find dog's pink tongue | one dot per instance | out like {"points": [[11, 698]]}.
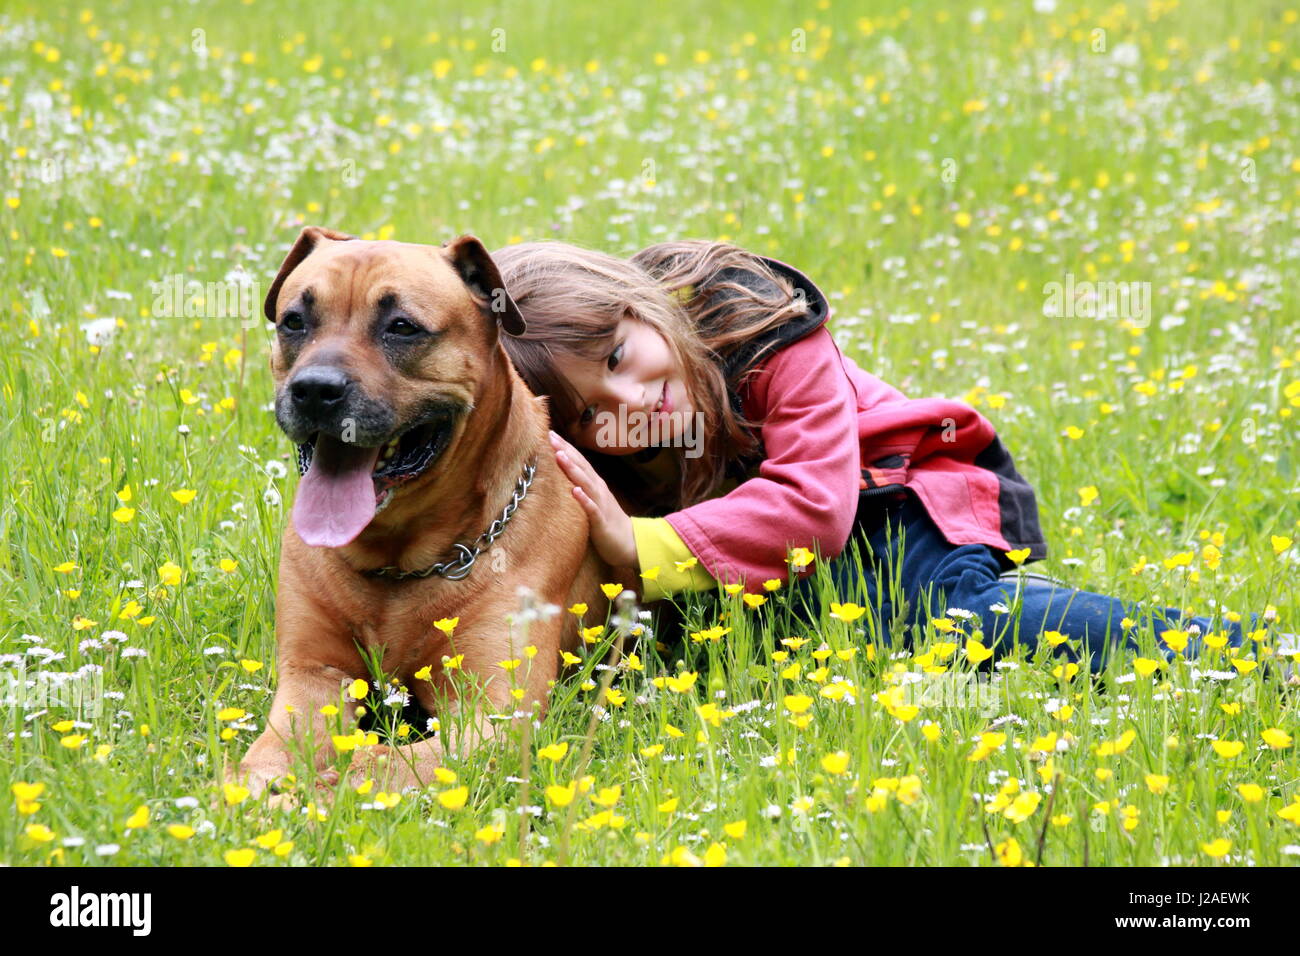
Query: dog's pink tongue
{"points": [[336, 498]]}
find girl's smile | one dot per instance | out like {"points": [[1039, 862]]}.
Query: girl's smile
{"points": [[638, 377]]}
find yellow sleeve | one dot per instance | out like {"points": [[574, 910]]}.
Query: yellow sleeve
{"points": [[658, 546]]}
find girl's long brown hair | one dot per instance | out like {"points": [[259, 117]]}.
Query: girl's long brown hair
{"points": [[689, 291]]}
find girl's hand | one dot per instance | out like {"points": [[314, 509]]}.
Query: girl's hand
{"points": [[611, 528]]}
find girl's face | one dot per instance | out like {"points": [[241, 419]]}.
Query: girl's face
{"points": [[627, 396]]}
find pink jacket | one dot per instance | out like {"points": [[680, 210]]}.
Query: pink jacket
{"points": [[832, 433]]}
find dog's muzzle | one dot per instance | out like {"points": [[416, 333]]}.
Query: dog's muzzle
{"points": [[352, 455]]}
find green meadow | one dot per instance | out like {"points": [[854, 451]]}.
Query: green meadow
{"points": [[1079, 218]]}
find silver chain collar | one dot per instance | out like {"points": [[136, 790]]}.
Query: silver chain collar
{"points": [[464, 556]]}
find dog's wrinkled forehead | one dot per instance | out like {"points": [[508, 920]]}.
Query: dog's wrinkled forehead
{"points": [[350, 280]]}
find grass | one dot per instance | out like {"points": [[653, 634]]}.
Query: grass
{"points": [[931, 168]]}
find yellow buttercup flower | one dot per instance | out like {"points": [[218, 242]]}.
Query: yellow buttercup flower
{"points": [[26, 792], [798, 703], [1065, 671], [554, 752], [1250, 792], [1108, 748], [1008, 853], [615, 697], [1145, 666], [848, 613], [988, 743], [1228, 749], [1045, 744], [139, 819], [269, 840], [1023, 806], [904, 712], [560, 796], [800, 558], [1217, 848], [1277, 739], [170, 574], [682, 682], [455, 798], [1175, 640], [836, 763]]}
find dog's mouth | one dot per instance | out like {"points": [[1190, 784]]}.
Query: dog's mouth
{"points": [[345, 485]]}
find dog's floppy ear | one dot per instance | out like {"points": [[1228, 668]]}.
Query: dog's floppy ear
{"points": [[302, 248], [480, 273]]}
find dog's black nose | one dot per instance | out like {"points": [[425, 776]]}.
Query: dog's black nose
{"points": [[319, 389]]}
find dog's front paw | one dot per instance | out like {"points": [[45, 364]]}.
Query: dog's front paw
{"points": [[395, 768], [252, 778]]}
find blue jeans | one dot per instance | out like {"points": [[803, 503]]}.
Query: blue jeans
{"points": [[934, 575]]}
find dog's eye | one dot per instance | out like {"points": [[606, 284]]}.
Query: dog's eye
{"points": [[292, 322], [403, 328]]}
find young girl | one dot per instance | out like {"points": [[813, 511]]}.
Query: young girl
{"points": [[720, 427]]}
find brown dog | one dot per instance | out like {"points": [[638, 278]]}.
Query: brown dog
{"points": [[422, 442]]}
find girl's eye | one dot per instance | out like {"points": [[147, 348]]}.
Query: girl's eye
{"points": [[615, 357], [585, 418]]}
